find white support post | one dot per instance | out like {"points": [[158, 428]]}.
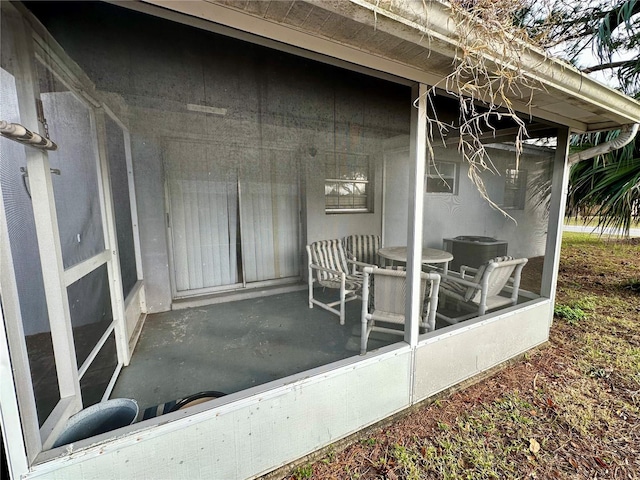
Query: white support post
{"points": [[417, 157], [16, 389], [111, 243], [559, 189], [383, 192], [11, 427]]}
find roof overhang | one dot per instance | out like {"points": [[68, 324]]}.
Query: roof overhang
{"points": [[412, 40]]}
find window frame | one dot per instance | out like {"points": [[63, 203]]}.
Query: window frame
{"points": [[515, 181], [337, 158], [434, 171]]}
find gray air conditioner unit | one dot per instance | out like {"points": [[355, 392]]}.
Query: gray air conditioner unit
{"points": [[473, 251]]}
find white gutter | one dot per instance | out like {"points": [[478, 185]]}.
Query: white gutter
{"points": [[627, 134], [431, 24]]}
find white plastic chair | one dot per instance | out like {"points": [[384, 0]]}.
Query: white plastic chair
{"points": [[493, 285], [329, 267], [384, 301]]}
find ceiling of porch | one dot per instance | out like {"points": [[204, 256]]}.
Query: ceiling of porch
{"points": [[399, 41]]}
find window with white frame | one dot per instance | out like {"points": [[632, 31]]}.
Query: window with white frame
{"points": [[442, 177], [347, 183]]}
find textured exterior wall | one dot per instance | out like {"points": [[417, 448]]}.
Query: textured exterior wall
{"points": [[467, 213]]}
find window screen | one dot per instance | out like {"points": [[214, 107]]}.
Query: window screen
{"points": [[119, 174]]}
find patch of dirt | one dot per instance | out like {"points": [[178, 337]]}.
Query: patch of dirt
{"points": [[583, 414]]}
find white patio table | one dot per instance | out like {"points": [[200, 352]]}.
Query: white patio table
{"points": [[430, 256]]}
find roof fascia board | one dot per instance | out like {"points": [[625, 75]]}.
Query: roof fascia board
{"points": [[551, 73]]}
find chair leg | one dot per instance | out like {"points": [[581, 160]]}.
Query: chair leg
{"points": [[363, 337], [310, 288], [342, 302]]}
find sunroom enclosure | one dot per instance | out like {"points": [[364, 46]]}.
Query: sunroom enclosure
{"points": [[192, 167]]}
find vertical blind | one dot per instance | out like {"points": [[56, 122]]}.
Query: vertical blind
{"points": [[233, 214]]}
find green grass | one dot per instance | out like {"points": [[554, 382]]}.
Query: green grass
{"points": [[578, 309], [489, 441], [571, 314], [303, 472]]}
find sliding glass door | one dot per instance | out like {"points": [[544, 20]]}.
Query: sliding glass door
{"points": [[203, 217], [269, 215], [233, 215]]}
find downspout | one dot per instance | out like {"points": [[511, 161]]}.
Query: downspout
{"points": [[627, 134]]}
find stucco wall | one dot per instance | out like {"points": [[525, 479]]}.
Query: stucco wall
{"points": [[467, 213]]}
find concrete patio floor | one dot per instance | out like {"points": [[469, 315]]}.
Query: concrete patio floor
{"points": [[233, 346]]}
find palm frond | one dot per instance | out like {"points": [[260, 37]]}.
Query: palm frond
{"points": [[607, 189]]}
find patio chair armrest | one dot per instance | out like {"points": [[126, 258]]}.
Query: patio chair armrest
{"points": [[460, 280], [360, 264], [371, 269], [328, 270], [465, 268]]}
